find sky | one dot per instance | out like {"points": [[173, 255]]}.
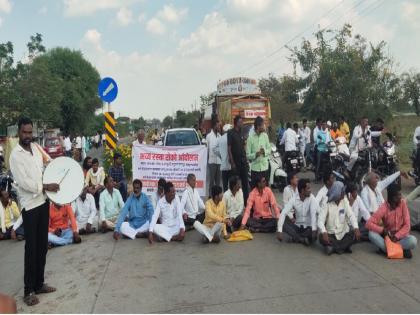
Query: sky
{"points": [[165, 54]]}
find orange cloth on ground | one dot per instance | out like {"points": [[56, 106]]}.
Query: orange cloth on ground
{"points": [[60, 217]]}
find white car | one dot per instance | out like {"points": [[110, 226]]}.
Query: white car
{"points": [[181, 137]]}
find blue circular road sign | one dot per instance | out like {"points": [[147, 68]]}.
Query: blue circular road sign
{"points": [[108, 90]]}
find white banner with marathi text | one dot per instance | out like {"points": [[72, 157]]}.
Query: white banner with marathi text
{"points": [[171, 163]]}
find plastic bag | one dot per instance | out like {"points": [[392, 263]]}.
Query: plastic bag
{"points": [[242, 235], [393, 250]]}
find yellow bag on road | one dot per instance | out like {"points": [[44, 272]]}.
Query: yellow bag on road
{"points": [[242, 235]]}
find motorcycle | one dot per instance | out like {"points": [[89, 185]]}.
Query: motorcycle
{"points": [[278, 177], [415, 158], [382, 160], [7, 182], [293, 162]]}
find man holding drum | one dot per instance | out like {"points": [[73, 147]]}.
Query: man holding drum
{"points": [[27, 166]]}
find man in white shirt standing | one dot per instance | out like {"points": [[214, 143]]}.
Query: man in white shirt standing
{"points": [[27, 166], [140, 138], [416, 142], [168, 210], [214, 160], [303, 226], [290, 140], [67, 145], [361, 139], [305, 140], [85, 212], [191, 204], [225, 166], [78, 146]]}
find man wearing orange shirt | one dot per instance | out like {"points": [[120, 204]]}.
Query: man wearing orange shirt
{"points": [[335, 132], [266, 211], [59, 231]]}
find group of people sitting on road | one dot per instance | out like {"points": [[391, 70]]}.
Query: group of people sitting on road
{"points": [[337, 216]]}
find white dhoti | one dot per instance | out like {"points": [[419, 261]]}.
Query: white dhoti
{"points": [[208, 232], [81, 224], [166, 232], [131, 232]]}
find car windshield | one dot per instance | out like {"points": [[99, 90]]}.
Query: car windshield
{"points": [[182, 137], [51, 142]]}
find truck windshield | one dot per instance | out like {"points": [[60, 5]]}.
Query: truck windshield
{"points": [[181, 138]]}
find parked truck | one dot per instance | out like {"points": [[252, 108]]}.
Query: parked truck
{"points": [[238, 96]]}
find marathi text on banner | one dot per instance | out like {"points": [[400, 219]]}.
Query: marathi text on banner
{"points": [[171, 163]]}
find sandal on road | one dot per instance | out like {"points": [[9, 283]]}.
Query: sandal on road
{"points": [[45, 289], [31, 299]]}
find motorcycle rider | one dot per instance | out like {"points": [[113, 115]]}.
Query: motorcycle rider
{"points": [[362, 139], [378, 125]]}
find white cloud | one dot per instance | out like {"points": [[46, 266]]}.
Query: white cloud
{"points": [[124, 16], [249, 6], [155, 26], [89, 7], [171, 14], [93, 37], [5, 6], [411, 12]]}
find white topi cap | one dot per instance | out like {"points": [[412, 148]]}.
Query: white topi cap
{"points": [[329, 123]]}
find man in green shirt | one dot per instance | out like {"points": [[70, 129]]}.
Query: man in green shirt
{"points": [[257, 150]]}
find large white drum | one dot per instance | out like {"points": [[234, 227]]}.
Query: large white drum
{"points": [[69, 175]]}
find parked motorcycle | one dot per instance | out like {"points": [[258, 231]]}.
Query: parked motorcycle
{"points": [[278, 177], [382, 160], [293, 162]]}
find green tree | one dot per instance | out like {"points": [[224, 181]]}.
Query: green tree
{"points": [[207, 100], [79, 80], [411, 87], [137, 124], [343, 74], [167, 122], [283, 94]]}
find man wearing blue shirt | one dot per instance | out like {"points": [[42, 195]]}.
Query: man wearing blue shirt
{"points": [[139, 211]]}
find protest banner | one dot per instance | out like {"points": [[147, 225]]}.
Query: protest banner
{"points": [[171, 163]]}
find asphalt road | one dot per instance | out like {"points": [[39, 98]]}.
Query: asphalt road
{"points": [[258, 276]]}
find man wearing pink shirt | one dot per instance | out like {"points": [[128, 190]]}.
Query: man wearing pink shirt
{"points": [[266, 211], [395, 217]]}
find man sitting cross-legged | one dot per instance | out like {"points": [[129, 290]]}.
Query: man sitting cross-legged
{"points": [[266, 210], [168, 210], [234, 201], [60, 232], [110, 204], [11, 226], [139, 211], [302, 226], [216, 218], [333, 222], [85, 211], [392, 219], [191, 203]]}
